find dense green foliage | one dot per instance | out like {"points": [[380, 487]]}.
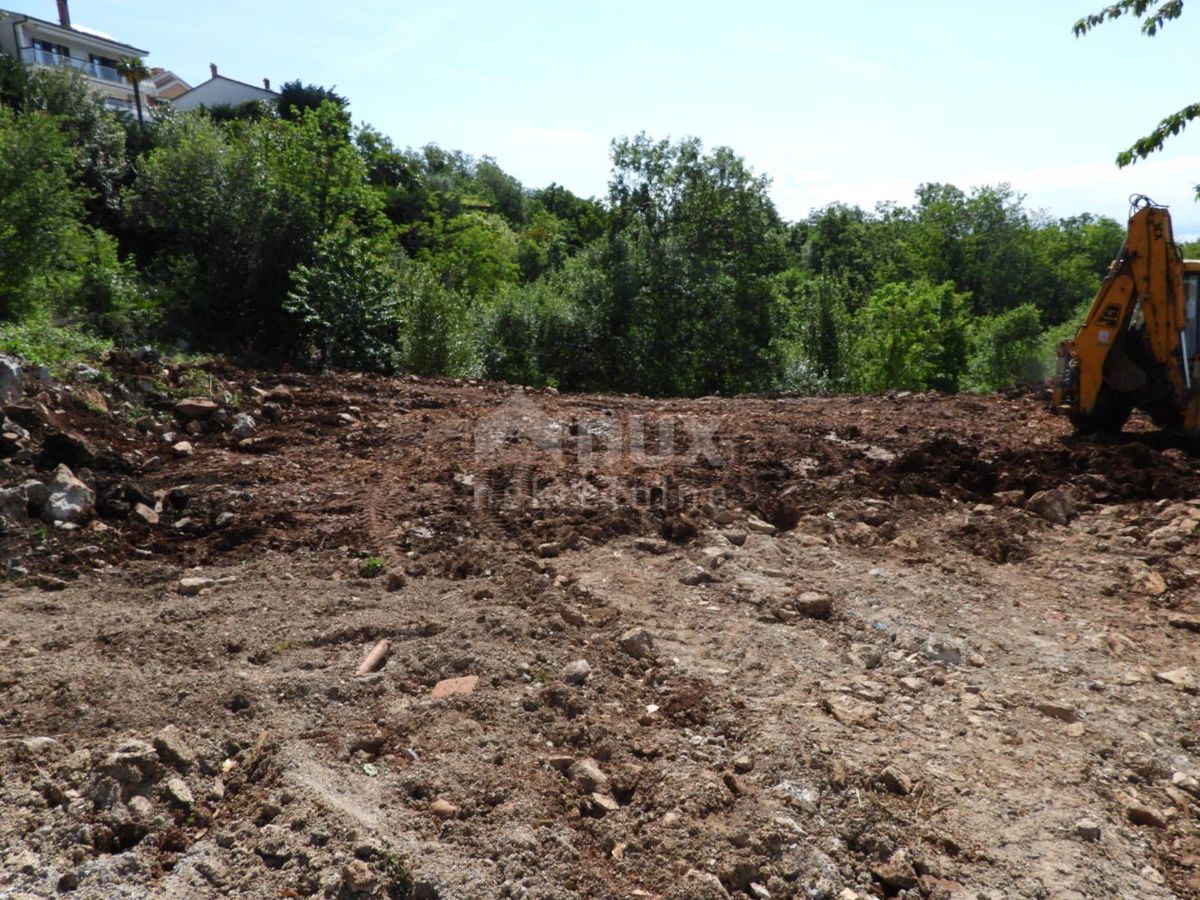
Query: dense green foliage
{"points": [[285, 234]]}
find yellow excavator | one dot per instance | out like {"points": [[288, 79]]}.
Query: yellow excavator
{"points": [[1139, 347]]}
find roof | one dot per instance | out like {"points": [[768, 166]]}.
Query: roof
{"points": [[253, 87], [80, 31]]}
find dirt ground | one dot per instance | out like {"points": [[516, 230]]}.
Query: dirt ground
{"points": [[897, 646]]}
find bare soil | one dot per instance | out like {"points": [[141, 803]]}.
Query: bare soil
{"points": [[835, 647]]}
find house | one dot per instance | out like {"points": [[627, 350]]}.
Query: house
{"points": [[222, 91], [38, 43], [168, 85]]}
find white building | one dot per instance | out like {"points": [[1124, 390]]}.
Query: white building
{"points": [[39, 44], [222, 91]]}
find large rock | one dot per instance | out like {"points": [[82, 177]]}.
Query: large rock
{"points": [[70, 499], [10, 379]]}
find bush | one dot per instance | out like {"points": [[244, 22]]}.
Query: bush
{"points": [[436, 338], [347, 305], [1005, 349]]}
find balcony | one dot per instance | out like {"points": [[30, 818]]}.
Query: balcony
{"points": [[36, 57]]}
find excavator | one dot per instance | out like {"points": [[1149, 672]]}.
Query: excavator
{"points": [[1139, 347]]}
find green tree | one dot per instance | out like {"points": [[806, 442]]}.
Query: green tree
{"points": [[911, 337], [297, 98], [232, 210], [815, 330], [347, 303], [134, 70], [40, 207], [687, 305]]}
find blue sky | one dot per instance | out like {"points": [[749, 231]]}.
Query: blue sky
{"points": [[837, 102]]}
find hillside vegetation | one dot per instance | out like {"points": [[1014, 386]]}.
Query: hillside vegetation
{"points": [[287, 234]]}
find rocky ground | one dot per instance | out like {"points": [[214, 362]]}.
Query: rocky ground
{"points": [[898, 646]]}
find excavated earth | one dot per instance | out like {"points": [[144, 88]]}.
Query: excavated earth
{"points": [[773, 646]]}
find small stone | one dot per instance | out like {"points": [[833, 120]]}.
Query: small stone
{"points": [[651, 545], [1087, 829], [183, 449], [812, 605], [224, 519], [1140, 814], [735, 537], [35, 492], [68, 881], [758, 526], [244, 426], [896, 781], [1152, 584], [141, 807], [897, 873], [587, 775], [358, 880], [152, 465], [602, 803], [449, 687], [1053, 506], [172, 749], [913, 685], [195, 408], [759, 891], [395, 581], [1075, 730], [178, 791], [1057, 711], [577, 672], [1187, 782], [1181, 677], [11, 379], [724, 517], [743, 764], [693, 575], [193, 585], [70, 500], [560, 763], [14, 503], [38, 747], [144, 514], [549, 549], [638, 643], [573, 616], [443, 809]]}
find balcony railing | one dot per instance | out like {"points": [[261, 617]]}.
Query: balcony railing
{"points": [[38, 57]]}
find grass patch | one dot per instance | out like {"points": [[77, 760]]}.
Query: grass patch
{"points": [[41, 342]]}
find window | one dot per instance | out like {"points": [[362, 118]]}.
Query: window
{"points": [[48, 47]]}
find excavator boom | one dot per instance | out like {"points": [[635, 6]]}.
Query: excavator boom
{"points": [[1138, 347]]}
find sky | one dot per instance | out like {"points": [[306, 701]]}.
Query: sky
{"points": [[837, 102]]}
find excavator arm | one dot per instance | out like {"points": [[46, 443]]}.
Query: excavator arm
{"points": [[1133, 348]]}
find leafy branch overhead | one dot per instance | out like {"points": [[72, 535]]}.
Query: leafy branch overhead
{"points": [[1154, 16]]}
